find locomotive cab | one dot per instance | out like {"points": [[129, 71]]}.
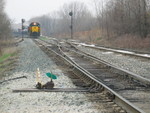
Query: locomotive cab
{"points": [[34, 30]]}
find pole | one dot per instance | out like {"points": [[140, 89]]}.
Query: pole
{"points": [[22, 31], [22, 21], [71, 27]]}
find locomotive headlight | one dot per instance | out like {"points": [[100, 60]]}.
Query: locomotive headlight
{"points": [[34, 23]]}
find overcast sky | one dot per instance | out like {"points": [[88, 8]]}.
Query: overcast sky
{"points": [[18, 9]]}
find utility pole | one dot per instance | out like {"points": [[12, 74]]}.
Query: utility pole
{"points": [[71, 27], [22, 22]]}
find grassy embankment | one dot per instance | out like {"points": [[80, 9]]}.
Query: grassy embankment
{"points": [[8, 59]]}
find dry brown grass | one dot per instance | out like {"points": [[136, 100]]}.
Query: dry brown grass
{"points": [[100, 38], [7, 46], [9, 50], [7, 42], [130, 41], [125, 41]]}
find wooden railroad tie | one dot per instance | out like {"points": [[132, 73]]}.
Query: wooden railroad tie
{"points": [[51, 90]]}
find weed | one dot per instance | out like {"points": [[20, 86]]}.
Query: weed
{"points": [[99, 38], [43, 38], [4, 57]]}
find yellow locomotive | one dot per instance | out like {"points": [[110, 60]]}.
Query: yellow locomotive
{"points": [[34, 30]]}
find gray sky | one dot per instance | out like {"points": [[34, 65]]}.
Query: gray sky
{"points": [[18, 9]]}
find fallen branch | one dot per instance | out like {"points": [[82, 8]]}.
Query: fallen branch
{"points": [[13, 79]]}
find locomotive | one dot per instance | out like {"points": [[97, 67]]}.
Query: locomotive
{"points": [[34, 30]]}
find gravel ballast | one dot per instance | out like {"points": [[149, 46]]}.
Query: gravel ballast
{"points": [[135, 65], [31, 58]]}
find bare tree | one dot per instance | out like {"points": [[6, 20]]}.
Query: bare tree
{"points": [[59, 22], [5, 28], [113, 18], [81, 16], [123, 16]]}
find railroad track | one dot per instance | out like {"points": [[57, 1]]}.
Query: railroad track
{"points": [[104, 77], [138, 65], [124, 52]]}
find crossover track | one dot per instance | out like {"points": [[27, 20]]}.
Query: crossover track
{"points": [[119, 84]]}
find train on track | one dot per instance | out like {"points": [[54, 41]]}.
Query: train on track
{"points": [[34, 30]]}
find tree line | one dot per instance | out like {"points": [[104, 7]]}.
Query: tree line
{"points": [[112, 17], [5, 27], [124, 16], [59, 22]]}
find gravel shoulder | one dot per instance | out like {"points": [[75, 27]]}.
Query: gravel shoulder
{"points": [[135, 65], [31, 58]]}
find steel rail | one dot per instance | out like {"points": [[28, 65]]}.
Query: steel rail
{"points": [[136, 77], [147, 56], [125, 104]]}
